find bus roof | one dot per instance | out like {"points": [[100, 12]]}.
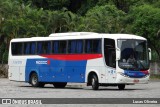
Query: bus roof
{"points": [[71, 34], [79, 35]]}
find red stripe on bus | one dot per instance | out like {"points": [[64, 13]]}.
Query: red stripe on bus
{"points": [[145, 72], [73, 56]]}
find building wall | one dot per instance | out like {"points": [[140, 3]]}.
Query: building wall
{"points": [[155, 68]]}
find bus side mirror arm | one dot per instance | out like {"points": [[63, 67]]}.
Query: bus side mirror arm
{"points": [[118, 54], [149, 51]]}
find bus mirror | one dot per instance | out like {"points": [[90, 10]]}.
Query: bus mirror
{"points": [[149, 50], [118, 54]]}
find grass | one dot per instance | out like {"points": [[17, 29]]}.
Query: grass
{"points": [[154, 77], [3, 74]]}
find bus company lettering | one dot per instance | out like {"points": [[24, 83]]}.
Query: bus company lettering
{"points": [[17, 62], [43, 62]]}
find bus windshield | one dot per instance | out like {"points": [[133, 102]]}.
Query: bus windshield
{"points": [[134, 54]]}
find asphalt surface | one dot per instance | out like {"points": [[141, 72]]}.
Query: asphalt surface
{"points": [[12, 89]]}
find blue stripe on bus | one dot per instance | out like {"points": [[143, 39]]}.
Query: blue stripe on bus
{"points": [[134, 74], [50, 70]]}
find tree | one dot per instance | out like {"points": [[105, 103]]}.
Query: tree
{"points": [[144, 21], [106, 19], [28, 18], [86, 5], [49, 4]]}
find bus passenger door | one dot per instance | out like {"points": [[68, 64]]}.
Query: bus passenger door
{"points": [[110, 59], [111, 74]]}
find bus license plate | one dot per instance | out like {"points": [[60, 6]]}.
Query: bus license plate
{"points": [[135, 80]]}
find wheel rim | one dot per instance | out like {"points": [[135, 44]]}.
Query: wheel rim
{"points": [[93, 81], [34, 80]]}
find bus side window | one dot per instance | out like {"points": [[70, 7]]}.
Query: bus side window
{"points": [[93, 46], [17, 48], [62, 47], [26, 48], [72, 46], [75, 46], [59, 47], [48, 47], [96, 46], [39, 47], [88, 46], [55, 46], [44, 47], [33, 48], [79, 47], [29, 48]]}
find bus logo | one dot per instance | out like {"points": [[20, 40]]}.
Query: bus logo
{"points": [[43, 62]]}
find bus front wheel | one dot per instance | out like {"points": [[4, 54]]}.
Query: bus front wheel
{"points": [[59, 84], [34, 81], [94, 81], [121, 86]]}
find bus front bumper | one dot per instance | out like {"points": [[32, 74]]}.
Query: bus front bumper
{"points": [[128, 80]]}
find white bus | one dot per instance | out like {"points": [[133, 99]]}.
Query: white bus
{"points": [[80, 57]]}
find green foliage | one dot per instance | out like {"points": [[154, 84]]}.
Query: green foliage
{"points": [[5, 57], [48, 4], [106, 19], [146, 23], [154, 56], [2, 49], [28, 18], [155, 77], [86, 5]]}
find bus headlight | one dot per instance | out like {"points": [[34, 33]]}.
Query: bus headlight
{"points": [[122, 74]]}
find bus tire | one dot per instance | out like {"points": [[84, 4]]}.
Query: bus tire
{"points": [[94, 82], [59, 84], [121, 86], [34, 81]]}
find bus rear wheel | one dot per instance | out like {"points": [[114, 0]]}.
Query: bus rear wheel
{"points": [[34, 81], [59, 84], [94, 82], [121, 86]]}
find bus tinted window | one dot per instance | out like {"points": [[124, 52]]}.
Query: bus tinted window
{"points": [[59, 47], [110, 52], [29, 48], [17, 48], [44, 47], [75, 46], [93, 46]]}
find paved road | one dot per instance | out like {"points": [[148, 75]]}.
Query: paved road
{"points": [[10, 89], [21, 89]]}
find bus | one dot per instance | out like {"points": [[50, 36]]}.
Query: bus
{"points": [[95, 59]]}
